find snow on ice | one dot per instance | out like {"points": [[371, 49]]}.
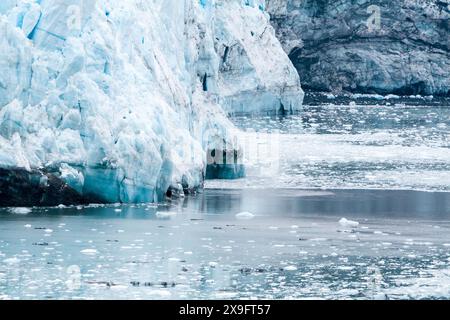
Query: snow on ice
{"points": [[121, 100]]}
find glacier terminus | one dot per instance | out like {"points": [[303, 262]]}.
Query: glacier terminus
{"points": [[119, 101]]}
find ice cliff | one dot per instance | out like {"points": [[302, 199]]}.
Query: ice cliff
{"points": [[367, 46], [120, 101]]}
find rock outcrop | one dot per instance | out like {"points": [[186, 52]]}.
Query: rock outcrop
{"points": [[367, 46]]}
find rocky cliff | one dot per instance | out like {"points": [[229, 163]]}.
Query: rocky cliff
{"points": [[367, 46]]}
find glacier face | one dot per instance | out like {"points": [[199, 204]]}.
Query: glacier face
{"points": [[118, 101], [254, 74], [365, 46]]}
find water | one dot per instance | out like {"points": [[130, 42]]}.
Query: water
{"points": [[385, 167], [382, 147]]}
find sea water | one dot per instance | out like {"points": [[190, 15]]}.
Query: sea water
{"points": [[273, 235]]}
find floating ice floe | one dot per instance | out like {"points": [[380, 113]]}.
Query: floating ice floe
{"points": [[348, 223], [290, 268], [165, 214], [11, 260], [20, 210], [245, 216], [89, 251]]}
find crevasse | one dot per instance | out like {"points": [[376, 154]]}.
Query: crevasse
{"points": [[118, 101]]}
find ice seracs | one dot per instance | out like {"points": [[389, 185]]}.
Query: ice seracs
{"points": [[120, 101], [249, 81]]}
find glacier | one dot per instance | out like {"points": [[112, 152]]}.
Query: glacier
{"points": [[122, 101]]}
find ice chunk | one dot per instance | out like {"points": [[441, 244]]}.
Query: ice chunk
{"points": [[245, 216], [20, 210], [31, 19], [89, 251], [13, 260], [165, 214], [72, 177], [290, 268], [348, 223]]}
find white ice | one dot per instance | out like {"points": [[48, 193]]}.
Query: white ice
{"points": [[124, 98], [20, 210], [348, 223], [245, 216]]}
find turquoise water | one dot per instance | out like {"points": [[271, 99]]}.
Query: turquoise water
{"points": [[386, 168]]}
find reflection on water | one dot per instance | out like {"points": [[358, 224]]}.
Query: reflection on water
{"points": [[196, 248], [357, 203]]}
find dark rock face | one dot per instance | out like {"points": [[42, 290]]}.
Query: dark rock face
{"points": [[367, 46], [19, 187]]}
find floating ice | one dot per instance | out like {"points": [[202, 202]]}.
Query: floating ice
{"points": [[165, 214], [245, 216], [11, 260], [20, 210], [89, 251], [163, 294], [348, 223], [290, 268]]}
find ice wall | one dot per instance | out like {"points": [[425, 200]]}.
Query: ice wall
{"points": [[120, 100], [254, 74]]}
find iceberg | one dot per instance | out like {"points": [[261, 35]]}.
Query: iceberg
{"points": [[121, 101]]}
